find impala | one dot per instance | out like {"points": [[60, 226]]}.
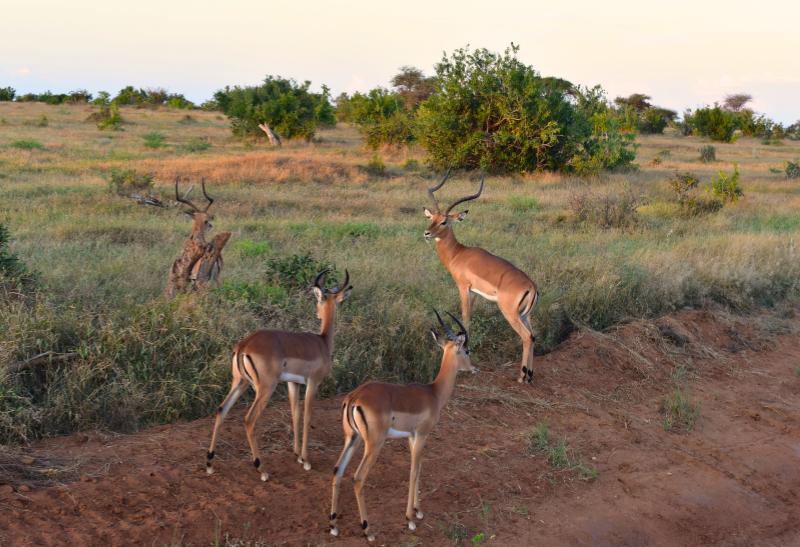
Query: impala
{"points": [[478, 272], [268, 357], [377, 411]]}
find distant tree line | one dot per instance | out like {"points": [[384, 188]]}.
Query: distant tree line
{"points": [[129, 95]]}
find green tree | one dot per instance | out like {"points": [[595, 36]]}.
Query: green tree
{"points": [[715, 123], [7, 93], [289, 108]]}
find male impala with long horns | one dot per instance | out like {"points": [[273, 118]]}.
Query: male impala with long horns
{"points": [[478, 272], [377, 411], [268, 357]]}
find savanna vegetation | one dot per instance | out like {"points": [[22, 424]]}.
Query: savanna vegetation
{"points": [[603, 249]]}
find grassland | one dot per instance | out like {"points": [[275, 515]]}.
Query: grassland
{"points": [[102, 259]]}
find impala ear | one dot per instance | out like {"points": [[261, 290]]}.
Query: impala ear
{"points": [[460, 340], [462, 215], [345, 294], [318, 293], [436, 338], [427, 212]]}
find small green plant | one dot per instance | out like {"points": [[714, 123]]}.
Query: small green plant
{"points": [[478, 538], [296, 271], [250, 248], [27, 144], [411, 165], [523, 204], [125, 181], [708, 154], [679, 413], [154, 139], [685, 185], [253, 292], [14, 274], [375, 166], [797, 371], [792, 169], [108, 117], [539, 438], [196, 144], [726, 186]]}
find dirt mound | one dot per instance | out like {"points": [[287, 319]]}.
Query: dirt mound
{"points": [[602, 472]]}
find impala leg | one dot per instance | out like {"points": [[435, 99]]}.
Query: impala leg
{"points": [[263, 394], [415, 444], [237, 388], [350, 444], [522, 328], [294, 406], [371, 452], [311, 391], [467, 302]]}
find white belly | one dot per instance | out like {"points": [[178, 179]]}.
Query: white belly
{"points": [[489, 297], [397, 434], [289, 377]]}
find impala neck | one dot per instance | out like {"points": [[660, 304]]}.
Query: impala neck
{"points": [[445, 381], [447, 247], [327, 328]]}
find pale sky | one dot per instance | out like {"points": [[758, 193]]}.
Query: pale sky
{"points": [[683, 53]]}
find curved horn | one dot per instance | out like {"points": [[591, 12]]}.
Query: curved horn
{"points": [[184, 200], [435, 188], [461, 326], [342, 286], [319, 278], [447, 330], [467, 198], [210, 200]]}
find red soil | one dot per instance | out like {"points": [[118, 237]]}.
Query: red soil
{"points": [[733, 480]]}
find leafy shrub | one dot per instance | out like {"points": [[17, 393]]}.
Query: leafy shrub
{"points": [[611, 210], [7, 93], [27, 144], [196, 144], [714, 123], [726, 186], [154, 139], [792, 169], [411, 165], [607, 148], [296, 271], [125, 181], [289, 108], [376, 167], [793, 131], [685, 185], [708, 154], [655, 120], [14, 274], [107, 117], [380, 116], [492, 111]]}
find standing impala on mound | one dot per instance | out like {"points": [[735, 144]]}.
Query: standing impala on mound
{"points": [[267, 357], [376, 411], [478, 272]]}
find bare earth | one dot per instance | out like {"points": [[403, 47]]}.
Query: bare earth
{"points": [[733, 480]]}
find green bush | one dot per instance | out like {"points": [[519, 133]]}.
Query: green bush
{"points": [[685, 185], [125, 181], [107, 117], [14, 274], [296, 271], [7, 93], [792, 169], [492, 111], [154, 139], [714, 123], [726, 186], [375, 167], [708, 154], [289, 108], [27, 144], [196, 144], [380, 116]]}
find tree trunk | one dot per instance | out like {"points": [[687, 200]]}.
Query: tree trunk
{"points": [[273, 137]]}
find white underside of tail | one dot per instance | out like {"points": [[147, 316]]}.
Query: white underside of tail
{"points": [[289, 377]]}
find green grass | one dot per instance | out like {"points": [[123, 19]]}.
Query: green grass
{"points": [[102, 259], [196, 144], [558, 454], [154, 139], [679, 413], [27, 144]]}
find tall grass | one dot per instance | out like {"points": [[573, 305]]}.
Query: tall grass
{"points": [[102, 261]]}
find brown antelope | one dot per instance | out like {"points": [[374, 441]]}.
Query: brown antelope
{"points": [[377, 411], [268, 357], [478, 272]]}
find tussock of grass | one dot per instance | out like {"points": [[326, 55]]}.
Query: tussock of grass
{"points": [[679, 413], [558, 454]]}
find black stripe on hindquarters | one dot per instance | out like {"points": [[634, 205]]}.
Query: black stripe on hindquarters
{"points": [[253, 366], [363, 417]]}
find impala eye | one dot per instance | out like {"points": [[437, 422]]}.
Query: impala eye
{"points": [[444, 223]]}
